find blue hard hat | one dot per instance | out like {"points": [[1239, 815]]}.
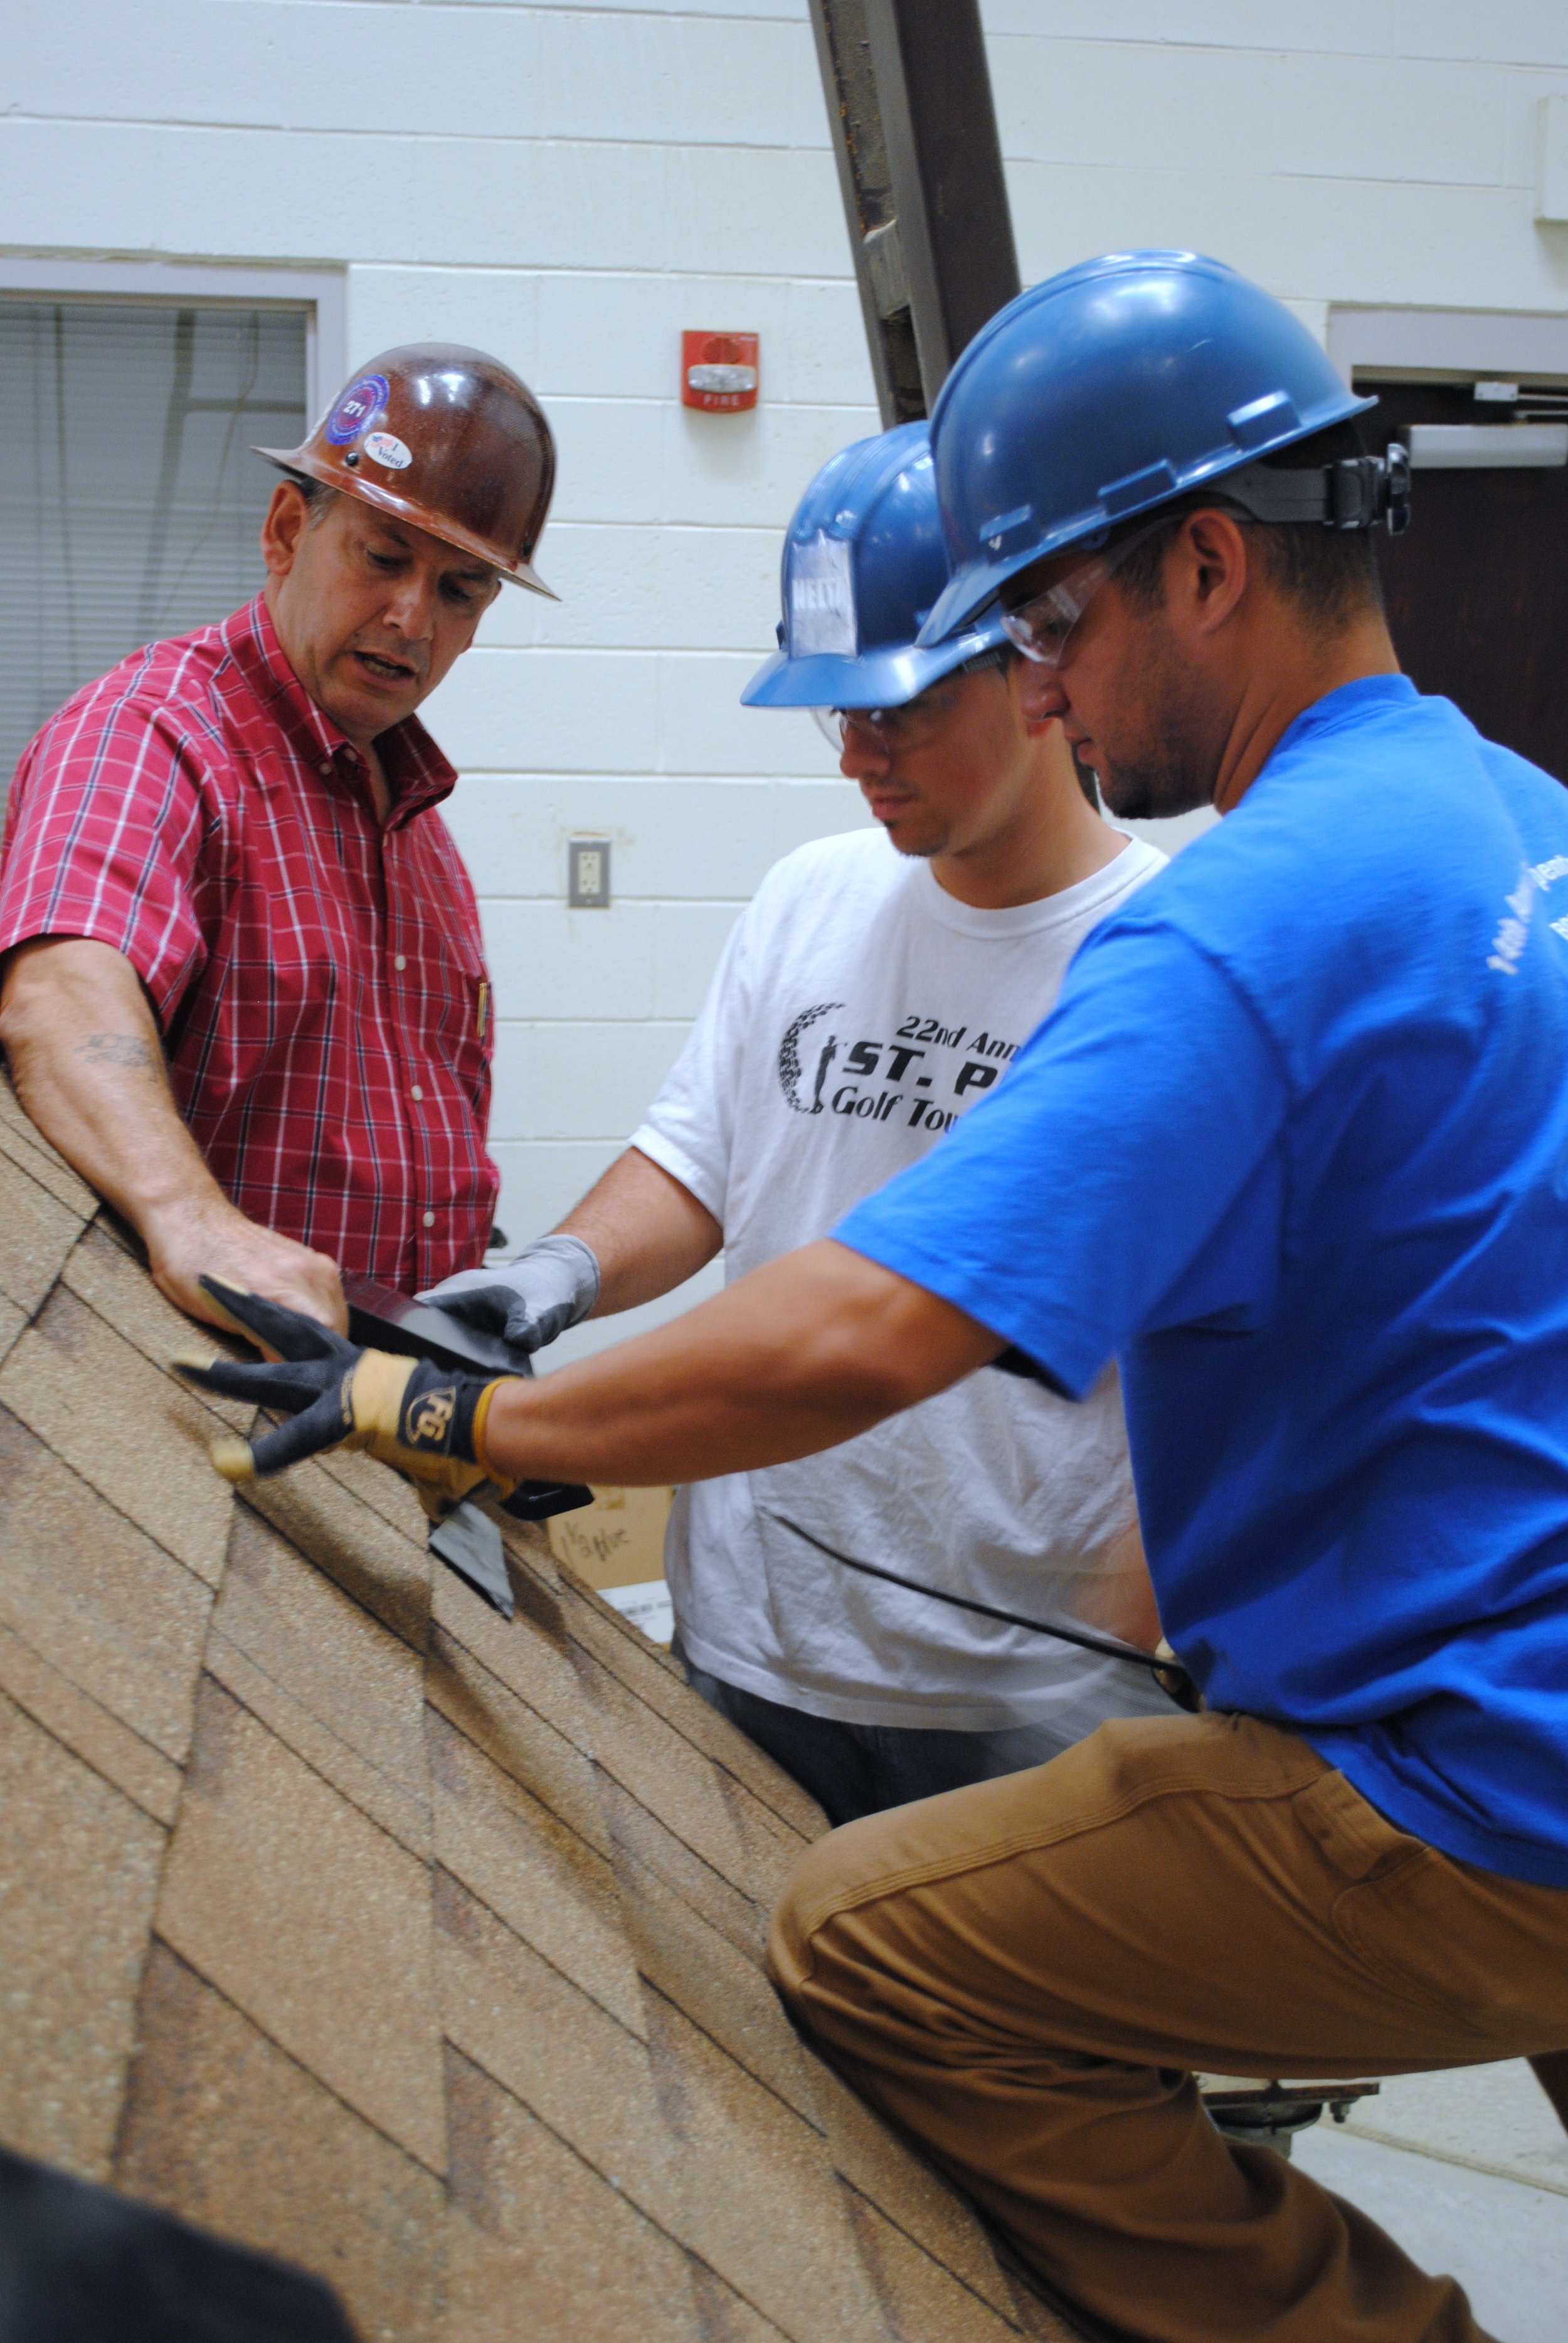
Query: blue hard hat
{"points": [[863, 563], [1105, 392]]}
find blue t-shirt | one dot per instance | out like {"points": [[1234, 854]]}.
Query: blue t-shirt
{"points": [[1294, 1146]]}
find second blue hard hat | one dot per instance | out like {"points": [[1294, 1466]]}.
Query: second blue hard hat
{"points": [[864, 562], [1103, 393]]}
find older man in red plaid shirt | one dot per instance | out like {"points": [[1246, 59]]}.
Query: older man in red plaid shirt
{"points": [[246, 991]]}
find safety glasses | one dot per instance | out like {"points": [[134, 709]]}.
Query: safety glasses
{"points": [[895, 730], [1042, 627]]}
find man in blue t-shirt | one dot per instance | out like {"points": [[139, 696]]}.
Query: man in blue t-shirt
{"points": [[1293, 1146]]}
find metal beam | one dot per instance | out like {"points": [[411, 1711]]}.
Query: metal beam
{"points": [[920, 169]]}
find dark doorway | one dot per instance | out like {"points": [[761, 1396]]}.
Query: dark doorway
{"points": [[1478, 588]]}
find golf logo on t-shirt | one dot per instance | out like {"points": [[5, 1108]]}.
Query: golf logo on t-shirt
{"points": [[870, 1081], [789, 1059]]}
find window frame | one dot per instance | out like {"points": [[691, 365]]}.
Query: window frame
{"points": [[321, 294]]}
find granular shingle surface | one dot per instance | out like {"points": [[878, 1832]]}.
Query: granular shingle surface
{"points": [[349, 1920]]}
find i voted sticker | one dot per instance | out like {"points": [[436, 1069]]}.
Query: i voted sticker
{"points": [[384, 448], [358, 407]]}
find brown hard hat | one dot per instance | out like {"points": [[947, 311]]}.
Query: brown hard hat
{"points": [[447, 439]]}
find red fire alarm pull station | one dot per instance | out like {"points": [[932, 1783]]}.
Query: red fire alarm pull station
{"points": [[718, 372]]}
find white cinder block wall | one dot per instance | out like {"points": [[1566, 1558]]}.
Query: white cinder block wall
{"points": [[570, 185], [1341, 151]]}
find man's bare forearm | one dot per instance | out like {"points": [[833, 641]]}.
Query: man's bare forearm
{"points": [[647, 1231], [88, 1065], [802, 1354]]}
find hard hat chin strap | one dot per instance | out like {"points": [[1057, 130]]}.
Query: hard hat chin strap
{"points": [[1358, 492]]}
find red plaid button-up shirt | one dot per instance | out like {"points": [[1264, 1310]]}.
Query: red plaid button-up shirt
{"points": [[318, 977]]}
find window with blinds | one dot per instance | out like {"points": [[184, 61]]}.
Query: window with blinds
{"points": [[129, 501]]}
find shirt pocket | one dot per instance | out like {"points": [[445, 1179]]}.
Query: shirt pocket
{"points": [[437, 980], [458, 1015]]}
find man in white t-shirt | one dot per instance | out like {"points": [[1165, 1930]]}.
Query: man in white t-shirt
{"points": [[877, 986]]}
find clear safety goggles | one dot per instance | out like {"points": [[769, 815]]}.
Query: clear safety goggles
{"points": [[1042, 627], [894, 730]]}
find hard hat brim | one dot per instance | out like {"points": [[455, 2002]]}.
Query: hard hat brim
{"points": [[978, 581], [517, 572], [878, 678]]}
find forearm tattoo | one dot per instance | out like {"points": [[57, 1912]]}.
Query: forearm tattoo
{"points": [[127, 1051]]}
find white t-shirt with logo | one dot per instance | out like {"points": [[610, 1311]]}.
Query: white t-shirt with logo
{"points": [[858, 1009]]}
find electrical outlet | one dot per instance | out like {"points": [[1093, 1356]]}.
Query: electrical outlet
{"points": [[588, 874]]}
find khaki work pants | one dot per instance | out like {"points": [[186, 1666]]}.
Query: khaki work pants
{"points": [[1024, 1975]]}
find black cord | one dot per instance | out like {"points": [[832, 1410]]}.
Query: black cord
{"points": [[1111, 1646]]}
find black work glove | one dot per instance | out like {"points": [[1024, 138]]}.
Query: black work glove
{"points": [[425, 1420], [529, 1299]]}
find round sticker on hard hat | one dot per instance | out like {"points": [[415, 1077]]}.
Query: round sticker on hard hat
{"points": [[384, 448], [357, 408]]}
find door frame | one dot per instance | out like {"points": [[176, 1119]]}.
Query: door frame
{"points": [[1458, 345]]}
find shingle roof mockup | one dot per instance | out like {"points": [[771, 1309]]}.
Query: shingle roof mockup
{"points": [[350, 1922]]}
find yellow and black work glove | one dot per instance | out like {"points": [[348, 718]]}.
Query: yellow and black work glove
{"points": [[425, 1422]]}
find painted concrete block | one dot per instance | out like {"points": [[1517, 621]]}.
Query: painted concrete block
{"points": [[751, 210], [1520, 33], [548, 961], [518, 72], [803, 811], [494, 309], [750, 469], [579, 1080], [746, 83], [1099, 102], [645, 587], [151, 188], [542, 1178], [1442, 247], [826, 359], [610, 456], [688, 941], [1447, 127], [1346, 24], [483, 202], [672, 839], [619, 713], [648, 461], [282, 66], [789, 10], [702, 726], [565, 711]]}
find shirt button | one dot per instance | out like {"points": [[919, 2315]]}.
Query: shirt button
{"points": [[416, 1094], [400, 961], [429, 1219]]}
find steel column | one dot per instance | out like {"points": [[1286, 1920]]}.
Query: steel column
{"points": [[920, 169]]}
